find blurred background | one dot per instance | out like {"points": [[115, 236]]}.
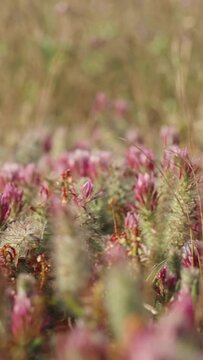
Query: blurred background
{"points": [[145, 57]]}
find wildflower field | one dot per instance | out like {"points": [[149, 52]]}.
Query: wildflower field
{"points": [[101, 168]]}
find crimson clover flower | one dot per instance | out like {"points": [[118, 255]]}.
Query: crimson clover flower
{"points": [[141, 157], [87, 190], [144, 190], [131, 221]]}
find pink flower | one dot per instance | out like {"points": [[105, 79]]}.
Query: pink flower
{"points": [[120, 108], [81, 344], [87, 190], [101, 103], [28, 173], [82, 162], [140, 157], [14, 197], [44, 192], [180, 320], [131, 221], [21, 315], [47, 143], [169, 135], [12, 172], [10, 200], [45, 164], [5, 209], [177, 160], [62, 163], [133, 137], [192, 254], [166, 339], [22, 311], [115, 253], [167, 278], [13, 194], [103, 159], [144, 189]]}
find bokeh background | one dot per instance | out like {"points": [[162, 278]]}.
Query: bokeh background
{"points": [[56, 56]]}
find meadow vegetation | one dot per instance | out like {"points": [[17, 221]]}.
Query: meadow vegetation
{"points": [[101, 219]]}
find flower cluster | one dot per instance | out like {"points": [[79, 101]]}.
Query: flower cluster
{"points": [[101, 255], [83, 163]]}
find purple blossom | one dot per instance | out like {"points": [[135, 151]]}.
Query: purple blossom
{"points": [[167, 278], [177, 161], [10, 200], [5, 209], [29, 174], [12, 194], [169, 135], [10, 172], [141, 157], [15, 173], [83, 163], [87, 190], [144, 189], [44, 192], [131, 221], [21, 315], [192, 254]]}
